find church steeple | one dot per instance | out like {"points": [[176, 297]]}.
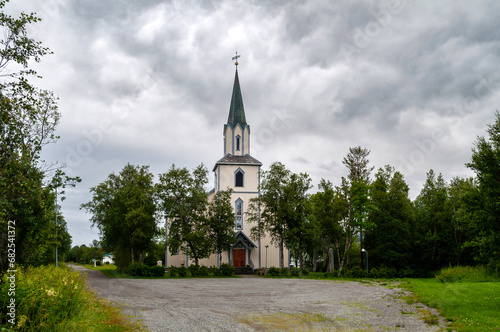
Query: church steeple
{"points": [[236, 109], [236, 131]]}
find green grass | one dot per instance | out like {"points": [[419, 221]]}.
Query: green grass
{"points": [[56, 299], [468, 306]]}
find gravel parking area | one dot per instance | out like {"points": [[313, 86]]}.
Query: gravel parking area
{"points": [[260, 304]]}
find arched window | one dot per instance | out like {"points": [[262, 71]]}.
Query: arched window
{"points": [[239, 176], [238, 138], [238, 209]]}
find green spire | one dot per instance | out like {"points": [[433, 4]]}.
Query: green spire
{"points": [[236, 110]]}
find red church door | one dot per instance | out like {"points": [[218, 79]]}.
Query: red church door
{"points": [[239, 257]]}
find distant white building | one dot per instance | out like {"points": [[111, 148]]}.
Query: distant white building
{"points": [[108, 258]]}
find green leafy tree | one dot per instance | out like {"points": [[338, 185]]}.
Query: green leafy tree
{"points": [[433, 232], [484, 203], [123, 209], [389, 242], [297, 210], [221, 221], [359, 192], [184, 202]]}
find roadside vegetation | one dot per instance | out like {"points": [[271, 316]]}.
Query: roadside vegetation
{"points": [[56, 299]]}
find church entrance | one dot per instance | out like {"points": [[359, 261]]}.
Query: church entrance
{"points": [[238, 257]]}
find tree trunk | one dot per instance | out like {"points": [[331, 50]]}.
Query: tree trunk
{"points": [[361, 246], [315, 259]]}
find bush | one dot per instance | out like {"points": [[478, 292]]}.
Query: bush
{"points": [[328, 275], [146, 271], [357, 272], [98, 263], [273, 271], [204, 271], [135, 269], [227, 269], [305, 271], [157, 271], [284, 272], [465, 274], [406, 273], [182, 271], [173, 271], [216, 271], [107, 263], [295, 271], [194, 270]]}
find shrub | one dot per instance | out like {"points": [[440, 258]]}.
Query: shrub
{"points": [[204, 271], [135, 269], [328, 275], [305, 271], [284, 272], [150, 260], [357, 272], [465, 274], [146, 271], [406, 273], [386, 272], [98, 263], [173, 271], [295, 271], [227, 269], [157, 271], [216, 271], [273, 271], [107, 263], [194, 270], [182, 271]]}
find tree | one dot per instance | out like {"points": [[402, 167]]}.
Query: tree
{"points": [[389, 242], [484, 203], [28, 119], [359, 179], [221, 222], [296, 212], [123, 208], [184, 202], [432, 232]]}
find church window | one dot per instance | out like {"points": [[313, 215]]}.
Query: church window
{"points": [[239, 214], [239, 178], [238, 138]]}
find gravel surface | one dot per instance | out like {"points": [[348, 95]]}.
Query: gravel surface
{"points": [[260, 304]]}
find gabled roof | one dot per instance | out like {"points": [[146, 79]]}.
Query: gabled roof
{"points": [[236, 109], [230, 159], [242, 237]]}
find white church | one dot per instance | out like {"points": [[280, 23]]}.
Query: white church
{"points": [[238, 170]]}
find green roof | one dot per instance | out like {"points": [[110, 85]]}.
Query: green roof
{"points": [[236, 110]]}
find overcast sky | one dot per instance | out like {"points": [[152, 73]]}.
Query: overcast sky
{"points": [[150, 82]]}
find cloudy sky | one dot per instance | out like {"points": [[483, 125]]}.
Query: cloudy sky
{"points": [[149, 82]]}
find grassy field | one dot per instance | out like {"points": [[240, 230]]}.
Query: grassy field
{"points": [[468, 306]]}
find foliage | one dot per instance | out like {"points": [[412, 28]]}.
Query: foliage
{"points": [[295, 271], [221, 221], [123, 208], [273, 271], [183, 200], [173, 271], [216, 271], [305, 272], [389, 242], [227, 269], [182, 271], [468, 306], [135, 269], [482, 204], [56, 299], [157, 271], [466, 274]]}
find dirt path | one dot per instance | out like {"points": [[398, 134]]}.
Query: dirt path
{"points": [[258, 304]]}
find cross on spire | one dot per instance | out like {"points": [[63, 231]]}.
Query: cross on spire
{"points": [[236, 58]]}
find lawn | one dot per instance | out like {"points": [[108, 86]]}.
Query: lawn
{"points": [[469, 306]]}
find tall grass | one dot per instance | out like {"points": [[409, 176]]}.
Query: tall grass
{"points": [[466, 274], [56, 299]]}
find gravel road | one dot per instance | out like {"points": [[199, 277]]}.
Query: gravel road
{"points": [[260, 304]]}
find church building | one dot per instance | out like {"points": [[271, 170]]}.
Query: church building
{"points": [[240, 171]]}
